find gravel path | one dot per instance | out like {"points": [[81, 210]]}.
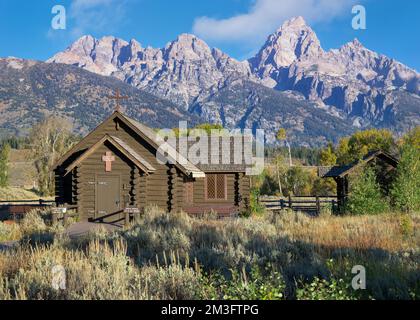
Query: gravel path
{"points": [[81, 229]]}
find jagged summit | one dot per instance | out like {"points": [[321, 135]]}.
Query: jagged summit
{"points": [[297, 22], [292, 41], [351, 81]]}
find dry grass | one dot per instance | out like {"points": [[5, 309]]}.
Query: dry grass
{"points": [[10, 232], [102, 271], [166, 256], [389, 232], [22, 171], [12, 193]]}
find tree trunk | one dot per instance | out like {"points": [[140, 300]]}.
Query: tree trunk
{"points": [[278, 179], [290, 154]]}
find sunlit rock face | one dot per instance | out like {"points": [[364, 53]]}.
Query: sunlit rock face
{"points": [[353, 84]]}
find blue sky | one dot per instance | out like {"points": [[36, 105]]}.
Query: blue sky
{"points": [[238, 27]]}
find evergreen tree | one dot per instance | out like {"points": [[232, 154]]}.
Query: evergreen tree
{"points": [[4, 165], [406, 187], [365, 196]]}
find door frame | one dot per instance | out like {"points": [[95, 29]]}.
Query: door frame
{"points": [[96, 214]]}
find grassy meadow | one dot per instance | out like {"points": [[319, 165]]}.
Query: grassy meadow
{"points": [[270, 256]]}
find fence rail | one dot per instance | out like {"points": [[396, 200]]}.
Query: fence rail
{"points": [[36, 201], [15, 209], [308, 204]]}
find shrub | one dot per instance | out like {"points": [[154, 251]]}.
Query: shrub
{"points": [[258, 285], [274, 256], [254, 206], [406, 188], [173, 282], [406, 225], [33, 222], [9, 232], [322, 289], [366, 196]]}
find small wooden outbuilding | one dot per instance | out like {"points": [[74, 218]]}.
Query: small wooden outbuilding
{"points": [[341, 173], [115, 168]]}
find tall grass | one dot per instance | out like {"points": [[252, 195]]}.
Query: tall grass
{"points": [[274, 256]]}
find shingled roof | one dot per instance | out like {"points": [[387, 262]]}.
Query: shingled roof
{"points": [[173, 154], [179, 159], [341, 171]]}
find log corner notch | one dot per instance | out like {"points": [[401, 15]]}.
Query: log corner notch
{"points": [[174, 190], [77, 189], [134, 185], [59, 185]]}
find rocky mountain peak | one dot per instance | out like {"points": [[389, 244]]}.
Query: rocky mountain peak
{"points": [[294, 40], [188, 47], [296, 22], [355, 43], [352, 82]]}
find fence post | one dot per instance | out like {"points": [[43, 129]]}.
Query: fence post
{"points": [[281, 204], [54, 217], [127, 217], [65, 216], [318, 206], [290, 201]]}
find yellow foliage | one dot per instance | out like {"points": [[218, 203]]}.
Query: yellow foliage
{"points": [[362, 142], [281, 134]]}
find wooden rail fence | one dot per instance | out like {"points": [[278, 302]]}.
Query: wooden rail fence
{"points": [[15, 209], [308, 204]]}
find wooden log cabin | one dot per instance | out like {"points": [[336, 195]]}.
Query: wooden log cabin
{"points": [[115, 167]]}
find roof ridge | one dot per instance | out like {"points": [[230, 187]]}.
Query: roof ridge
{"points": [[177, 157]]}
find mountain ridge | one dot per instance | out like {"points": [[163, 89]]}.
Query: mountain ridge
{"points": [[292, 82], [352, 79], [31, 90]]}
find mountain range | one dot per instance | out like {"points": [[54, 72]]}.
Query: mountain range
{"points": [[291, 82]]}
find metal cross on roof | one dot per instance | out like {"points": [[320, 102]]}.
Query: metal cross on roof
{"points": [[117, 97]]}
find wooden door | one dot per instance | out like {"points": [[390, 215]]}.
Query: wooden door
{"points": [[108, 198]]}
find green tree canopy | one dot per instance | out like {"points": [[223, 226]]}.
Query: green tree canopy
{"points": [[4, 165], [405, 191], [365, 196], [281, 134], [361, 143], [208, 127], [413, 138], [328, 156]]}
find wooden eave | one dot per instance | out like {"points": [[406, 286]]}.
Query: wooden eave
{"points": [[122, 147], [149, 136]]}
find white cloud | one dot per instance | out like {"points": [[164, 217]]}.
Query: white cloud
{"points": [[265, 16], [89, 16], [83, 4]]}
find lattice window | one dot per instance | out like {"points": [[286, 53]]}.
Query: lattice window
{"points": [[220, 186], [216, 187]]}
